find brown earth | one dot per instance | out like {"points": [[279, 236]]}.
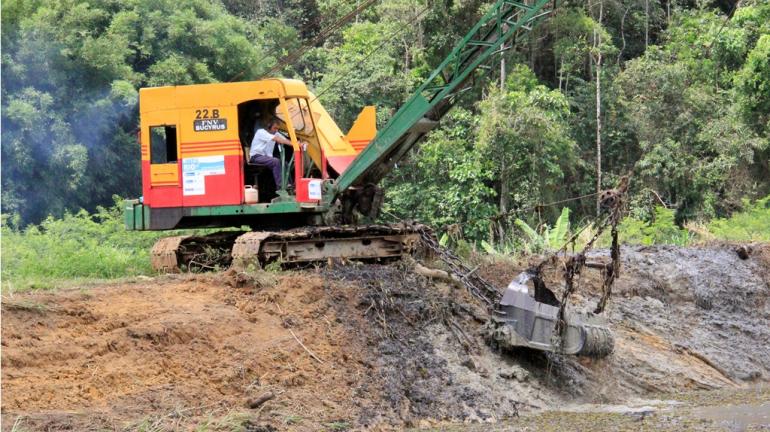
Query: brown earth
{"points": [[383, 347], [174, 349]]}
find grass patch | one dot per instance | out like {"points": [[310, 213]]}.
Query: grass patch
{"points": [[147, 424], [79, 246], [18, 425], [293, 419], [231, 422], [338, 425], [752, 224]]}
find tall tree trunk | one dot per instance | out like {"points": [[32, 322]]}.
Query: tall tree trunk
{"points": [[622, 36], [598, 60], [503, 176], [646, 23], [503, 200], [502, 61], [502, 70]]}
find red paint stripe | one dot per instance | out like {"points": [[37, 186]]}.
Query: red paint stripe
{"points": [[210, 147], [230, 147], [190, 152], [211, 142], [359, 141]]}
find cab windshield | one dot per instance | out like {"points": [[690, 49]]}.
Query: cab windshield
{"points": [[299, 113]]}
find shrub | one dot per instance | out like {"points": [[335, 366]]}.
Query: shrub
{"points": [[78, 245], [751, 224], [660, 230]]}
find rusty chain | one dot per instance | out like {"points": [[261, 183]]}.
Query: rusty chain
{"points": [[612, 204], [477, 286]]}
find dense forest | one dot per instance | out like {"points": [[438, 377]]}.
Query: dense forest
{"points": [[676, 92]]}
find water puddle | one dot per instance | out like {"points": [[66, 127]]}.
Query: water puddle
{"points": [[736, 417], [634, 406]]}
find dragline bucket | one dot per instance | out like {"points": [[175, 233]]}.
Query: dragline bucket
{"points": [[519, 320]]}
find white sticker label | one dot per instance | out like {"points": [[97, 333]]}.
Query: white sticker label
{"points": [[194, 184], [314, 189], [195, 170]]}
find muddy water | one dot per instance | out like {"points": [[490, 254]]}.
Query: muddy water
{"points": [[737, 411], [713, 304], [736, 418], [734, 410]]}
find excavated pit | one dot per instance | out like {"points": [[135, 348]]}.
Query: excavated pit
{"points": [[374, 346]]}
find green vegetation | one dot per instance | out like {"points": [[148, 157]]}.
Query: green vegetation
{"points": [[681, 88], [77, 245], [71, 74], [338, 426], [751, 224], [660, 229], [293, 419], [96, 246], [234, 421], [551, 238], [685, 108]]}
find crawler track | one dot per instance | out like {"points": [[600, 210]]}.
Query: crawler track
{"points": [[305, 245]]}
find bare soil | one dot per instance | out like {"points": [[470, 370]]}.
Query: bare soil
{"points": [[172, 351], [374, 346]]}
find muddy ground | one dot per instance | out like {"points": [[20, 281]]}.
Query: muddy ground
{"points": [[378, 346]]}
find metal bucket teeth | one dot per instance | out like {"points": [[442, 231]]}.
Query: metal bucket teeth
{"points": [[598, 342]]}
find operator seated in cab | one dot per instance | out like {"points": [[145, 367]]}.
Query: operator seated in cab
{"points": [[262, 146]]}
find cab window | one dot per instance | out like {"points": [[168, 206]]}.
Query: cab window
{"points": [[299, 113], [163, 144]]}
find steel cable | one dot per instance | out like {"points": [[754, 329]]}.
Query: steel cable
{"points": [[370, 53], [307, 45]]}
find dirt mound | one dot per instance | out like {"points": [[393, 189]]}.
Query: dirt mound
{"points": [[428, 351], [708, 303], [173, 350], [365, 346], [684, 319]]}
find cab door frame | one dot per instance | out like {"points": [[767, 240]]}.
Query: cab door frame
{"points": [[161, 182]]}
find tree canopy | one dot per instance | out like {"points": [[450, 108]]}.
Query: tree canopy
{"points": [[683, 89]]}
